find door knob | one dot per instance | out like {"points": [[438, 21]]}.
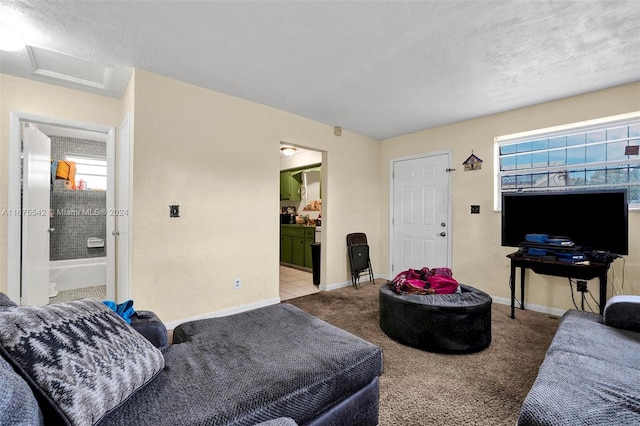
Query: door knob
{"points": [[443, 224], [52, 229], [443, 234]]}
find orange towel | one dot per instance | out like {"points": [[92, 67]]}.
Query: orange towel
{"points": [[62, 172], [67, 171], [72, 174]]}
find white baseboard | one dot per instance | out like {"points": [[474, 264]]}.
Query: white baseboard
{"points": [[237, 309], [336, 286], [267, 302], [531, 307], [225, 312]]}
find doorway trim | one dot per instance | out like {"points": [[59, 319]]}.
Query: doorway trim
{"points": [[392, 161], [14, 241]]}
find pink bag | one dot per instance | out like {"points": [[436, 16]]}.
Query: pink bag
{"points": [[425, 281], [441, 284]]}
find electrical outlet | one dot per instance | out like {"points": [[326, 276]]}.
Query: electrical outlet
{"points": [[236, 283], [581, 286]]}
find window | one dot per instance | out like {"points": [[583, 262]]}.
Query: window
{"points": [[92, 170], [590, 155]]}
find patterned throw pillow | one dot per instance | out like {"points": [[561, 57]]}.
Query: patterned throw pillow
{"points": [[79, 355]]}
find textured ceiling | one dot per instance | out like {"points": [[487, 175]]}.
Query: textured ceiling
{"points": [[378, 68]]}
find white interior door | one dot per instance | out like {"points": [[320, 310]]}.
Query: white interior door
{"points": [[420, 217], [35, 216]]}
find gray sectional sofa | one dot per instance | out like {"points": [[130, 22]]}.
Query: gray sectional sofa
{"points": [[591, 371], [79, 363]]}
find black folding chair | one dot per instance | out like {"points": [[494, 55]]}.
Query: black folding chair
{"points": [[359, 260]]}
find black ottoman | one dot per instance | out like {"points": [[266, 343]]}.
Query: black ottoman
{"points": [[149, 325], [446, 323]]}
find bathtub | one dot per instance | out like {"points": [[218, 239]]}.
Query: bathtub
{"points": [[78, 273]]}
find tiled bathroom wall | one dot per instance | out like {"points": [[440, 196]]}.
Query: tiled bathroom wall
{"points": [[77, 215]]}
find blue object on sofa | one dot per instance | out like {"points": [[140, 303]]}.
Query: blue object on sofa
{"points": [[277, 366], [124, 310], [591, 371]]}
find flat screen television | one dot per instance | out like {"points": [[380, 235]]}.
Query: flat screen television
{"points": [[594, 220]]}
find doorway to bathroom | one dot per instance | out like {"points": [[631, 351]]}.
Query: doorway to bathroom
{"points": [[78, 215], [61, 202]]}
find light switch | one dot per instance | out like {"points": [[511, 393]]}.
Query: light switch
{"points": [[475, 209], [174, 210]]}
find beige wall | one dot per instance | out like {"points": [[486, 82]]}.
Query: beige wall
{"points": [[218, 158], [478, 258], [17, 94]]}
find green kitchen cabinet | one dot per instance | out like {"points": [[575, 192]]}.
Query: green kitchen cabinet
{"points": [[298, 251], [295, 244], [285, 191], [286, 248], [290, 183]]}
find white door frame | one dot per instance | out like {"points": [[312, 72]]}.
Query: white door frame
{"points": [[124, 202], [392, 161], [14, 185]]}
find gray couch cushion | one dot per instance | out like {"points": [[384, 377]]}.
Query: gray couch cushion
{"points": [[280, 421], [623, 311], [247, 368], [18, 406], [590, 376], [79, 356]]}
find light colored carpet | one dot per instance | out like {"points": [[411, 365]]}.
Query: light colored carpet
{"points": [[422, 388]]}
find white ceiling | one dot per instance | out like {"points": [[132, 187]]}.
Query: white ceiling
{"points": [[378, 68]]}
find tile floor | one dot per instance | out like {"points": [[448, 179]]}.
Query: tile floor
{"points": [[295, 283], [97, 292]]}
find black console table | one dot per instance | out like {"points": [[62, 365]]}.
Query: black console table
{"points": [[555, 268]]}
